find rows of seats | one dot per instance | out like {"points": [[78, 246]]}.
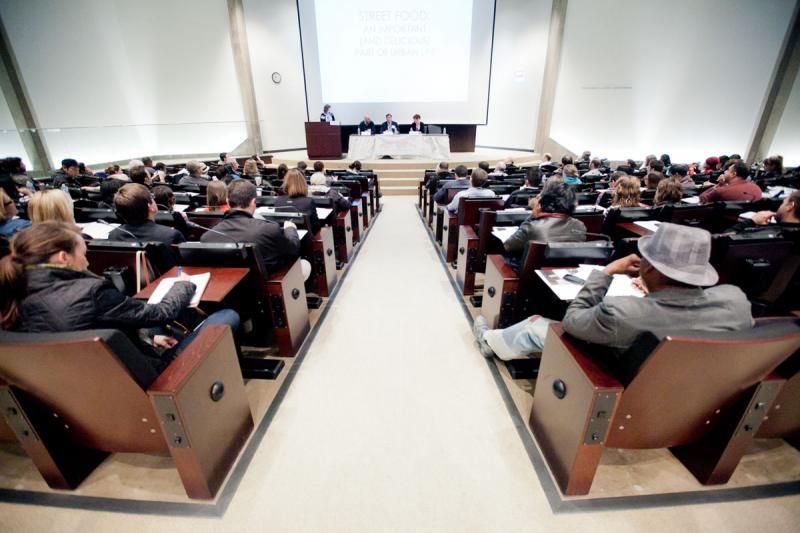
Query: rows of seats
{"points": [[706, 415], [71, 399]]}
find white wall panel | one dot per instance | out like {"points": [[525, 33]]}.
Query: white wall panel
{"points": [[787, 136], [685, 77], [520, 49], [274, 40], [114, 79]]}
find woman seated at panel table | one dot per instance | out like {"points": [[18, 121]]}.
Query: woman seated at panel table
{"points": [[417, 125], [45, 287], [295, 194], [551, 221]]}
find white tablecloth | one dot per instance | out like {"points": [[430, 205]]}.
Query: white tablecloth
{"points": [[436, 147]]}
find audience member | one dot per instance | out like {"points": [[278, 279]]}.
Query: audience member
{"points": [[224, 159], [108, 189], [283, 169], [295, 194], [656, 165], [527, 188], [67, 174], [594, 168], [159, 173], [140, 176], [585, 157], [626, 193], [484, 165], [733, 185], [499, 169], [667, 160], [148, 165], [647, 160], [711, 165], [137, 209], [50, 205], [787, 215], [301, 166], [680, 175], [653, 179], [9, 222], [673, 269], [319, 170], [461, 182], [277, 247], [551, 220], [477, 189], [195, 177], [251, 169], [773, 167], [216, 198], [547, 158], [45, 287], [14, 179], [354, 167], [318, 186], [164, 198], [668, 192], [114, 172], [570, 175]]}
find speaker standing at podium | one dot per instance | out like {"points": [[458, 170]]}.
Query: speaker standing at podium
{"points": [[326, 115]]}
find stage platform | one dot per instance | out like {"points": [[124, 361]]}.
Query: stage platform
{"points": [[401, 176]]}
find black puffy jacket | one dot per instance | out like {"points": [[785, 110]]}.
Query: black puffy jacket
{"points": [[61, 299]]}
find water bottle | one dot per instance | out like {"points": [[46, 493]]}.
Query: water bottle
{"points": [[444, 130], [65, 189]]}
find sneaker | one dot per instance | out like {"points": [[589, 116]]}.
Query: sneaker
{"points": [[479, 327]]}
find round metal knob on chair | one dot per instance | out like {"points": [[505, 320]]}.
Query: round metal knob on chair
{"points": [[559, 388], [461, 250], [491, 292], [329, 252], [347, 228], [217, 391], [444, 228], [295, 293]]}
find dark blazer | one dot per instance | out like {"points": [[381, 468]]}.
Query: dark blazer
{"points": [[546, 229], [324, 118], [61, 299], [278, 247], [385, 126], [363, 126], [305, 205], [441, 195], [422, 127], [148, 232]]}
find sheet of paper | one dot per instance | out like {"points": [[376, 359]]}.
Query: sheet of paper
{"points": [[589, 209], [504, 232], [505, 196], [621, 285], [180, 208], [777, 191], [96, 230], [302, 233], [748, 215], [323, 212], [691, 200], [651, 225], [200, 281]]}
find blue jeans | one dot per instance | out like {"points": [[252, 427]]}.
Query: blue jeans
{"points": [[227, 317]]}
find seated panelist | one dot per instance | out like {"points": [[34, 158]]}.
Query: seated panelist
{"points": [[390, 126], [45, 287], [418, 125], [366, 125]]}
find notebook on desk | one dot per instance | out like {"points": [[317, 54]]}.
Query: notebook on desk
{"points": [[200, 282], [96, 230], [567, 290]]}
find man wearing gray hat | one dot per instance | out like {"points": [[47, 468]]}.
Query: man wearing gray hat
{"points": [[673, 268]]}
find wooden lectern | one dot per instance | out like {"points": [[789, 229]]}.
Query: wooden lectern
{"points": [[323, 140]]}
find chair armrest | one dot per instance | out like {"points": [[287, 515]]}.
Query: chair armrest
{"points": [[203, 410]]}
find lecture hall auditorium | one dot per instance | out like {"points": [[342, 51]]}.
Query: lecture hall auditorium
{"points": [[465, 265]]}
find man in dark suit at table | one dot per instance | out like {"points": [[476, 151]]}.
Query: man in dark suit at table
{"points": [[366, 125], [390, 125]]}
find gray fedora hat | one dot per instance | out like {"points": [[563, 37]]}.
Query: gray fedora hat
{"points": [[680, 253]]}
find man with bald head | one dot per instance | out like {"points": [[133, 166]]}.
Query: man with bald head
{"points": [[366, 125]]}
